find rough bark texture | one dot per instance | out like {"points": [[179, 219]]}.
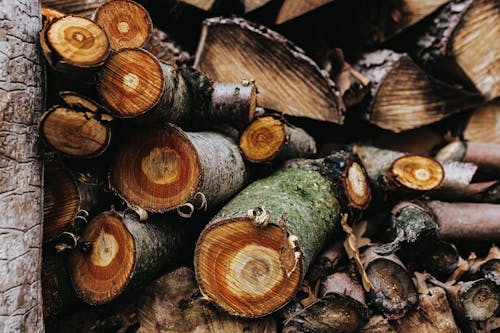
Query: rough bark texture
{"points": [[392, 102], [253, 52], [21, 101], [170, 304]]}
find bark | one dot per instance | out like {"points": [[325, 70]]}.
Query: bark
{"points": [[126, 23], [487, 192], [288, 81], [135, 85], [439, 258], [340, 308], [21, 102], [418, 100], [146, 312], [120, 254], [447, 49], [393, 291], [484, 124], [162, 46], [272, 231], [82, 7], [292, 9], [164, 169], [458, 177], [271, 139]]}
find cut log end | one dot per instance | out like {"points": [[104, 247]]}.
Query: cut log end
{"points": [[61, 202], [252, 267], [357, 187], [126, 23], [262, 140], [74, 133], [416, 172], [77, 41], [131, 82], [106, 269], [480, 300], [158, 170]]}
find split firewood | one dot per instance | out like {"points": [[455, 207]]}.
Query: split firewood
{"points": [[477, 300], [251, 5], [484, 124], [205, 5], [71, 199], [292, 9], [378, 324], [81, 7], [119, 253], [393, 291], [126, 23], [22, 89], [134, 84], [273, 229], [271, 138], [401, 104], [340, 308], [485, 155], [447, 46], [418, 141], [163, 169], [289, 81], [433, 315], [172, 303], [74, 44]]}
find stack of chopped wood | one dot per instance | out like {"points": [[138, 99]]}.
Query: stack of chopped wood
{"points": [[204, 173]]}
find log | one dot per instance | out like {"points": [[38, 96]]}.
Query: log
{"points": [[487, 267], [21, 102], [164, 169], [126, 23], [292, 9], [146, 312], [484, 124], [260, 245], [289, 82], [439, 258], [418, 100], [251, 5], [135, 85], [394, 293], [326, 263], [340, 308], [80, 8], [271, 138], [486, 192], [433, 314], [485, 155], [74, 44], [378, 324], [120, 254], [447, 47], [458, 177]]}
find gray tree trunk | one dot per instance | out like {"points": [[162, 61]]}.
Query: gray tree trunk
{"points": [[21, 100]]}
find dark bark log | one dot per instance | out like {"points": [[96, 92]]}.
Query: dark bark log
{"points": [[268, 234], [21, 102], [135, 85], [400, 104], [292, 9], [439, 258], [447, 46], [170, 304], [164, 169], [120, 254], [255, 52], [487, 192], [271, 139], [393, 291]]}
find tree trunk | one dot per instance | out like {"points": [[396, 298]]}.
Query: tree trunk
{"points": [[21, 102], [120, 253], [272, 231], [164, 169], [270, 138]]}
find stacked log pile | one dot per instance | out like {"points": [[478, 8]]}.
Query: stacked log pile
{"points": [[230, 166]]}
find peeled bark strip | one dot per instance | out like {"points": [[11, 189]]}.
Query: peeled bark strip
{"points": [[259, 246], [403, 96], [134, 84], [126, 254], [289, 82], [21, 90], [165, 168], [485, 155], [394, 292], [70, 200], [292, 9], [484, 124], [340, 308], [433, 315], [74, 44], [396, 173], [463, 40], [74, 133], [126, 23], [170, 304], [81, 7], [270, 138]]}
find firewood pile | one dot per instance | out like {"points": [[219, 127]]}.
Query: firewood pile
{"points": [[270, 166]]}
